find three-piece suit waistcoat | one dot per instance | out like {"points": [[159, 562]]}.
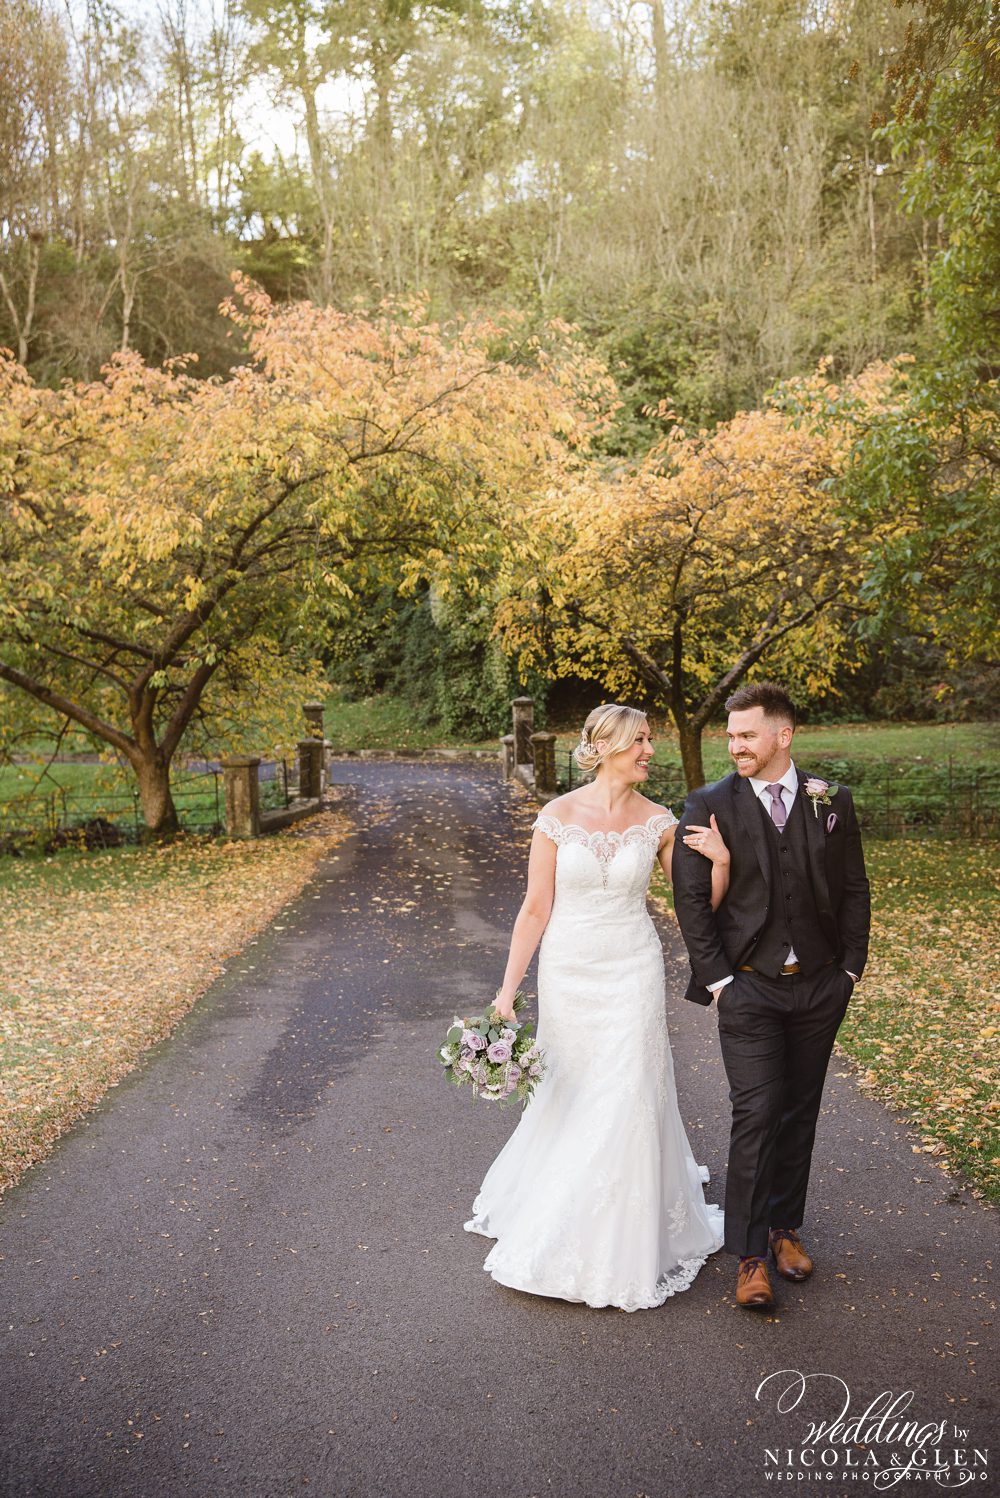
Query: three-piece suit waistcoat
{"points": [[793, 919]]}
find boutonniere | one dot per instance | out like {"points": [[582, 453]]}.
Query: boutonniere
{"points": [[819, 793]]}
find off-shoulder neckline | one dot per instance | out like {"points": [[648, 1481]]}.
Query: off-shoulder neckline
{"points": [[607, 831]]}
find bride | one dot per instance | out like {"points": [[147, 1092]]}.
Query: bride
{"points": [[596, 1196]]}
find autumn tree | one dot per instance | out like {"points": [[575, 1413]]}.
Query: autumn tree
{"points": [[717, 553], [922, 482], [160, 535], [925, 468]]}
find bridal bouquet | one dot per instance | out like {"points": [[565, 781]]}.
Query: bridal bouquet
{"points": [[499, 1059]]}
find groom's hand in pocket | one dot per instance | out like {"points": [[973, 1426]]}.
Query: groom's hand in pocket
{"points": [[852, 984]]}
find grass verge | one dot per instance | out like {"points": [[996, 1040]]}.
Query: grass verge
{"points": [[105, 952], [387, 723], [865, 743], [922, 1026]]}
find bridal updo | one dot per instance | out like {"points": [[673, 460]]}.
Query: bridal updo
{"points": [[612, 722]]}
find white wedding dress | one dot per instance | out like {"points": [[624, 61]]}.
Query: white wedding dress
{"points": [[596, 1196]]}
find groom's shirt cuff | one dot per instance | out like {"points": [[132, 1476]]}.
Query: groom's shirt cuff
{"points": [[718, 987]]}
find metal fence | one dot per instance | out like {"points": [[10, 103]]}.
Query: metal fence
{"points": [[892, 800], [276, 784], [65, 816]]}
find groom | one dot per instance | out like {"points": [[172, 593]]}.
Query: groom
{"points": [[781, 955]]}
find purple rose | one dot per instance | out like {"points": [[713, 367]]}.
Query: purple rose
{"points": [[473, 1040], [498, 1051], [514, 1072]]}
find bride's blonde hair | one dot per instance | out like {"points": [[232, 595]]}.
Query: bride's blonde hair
{"points": [[612, 721]]}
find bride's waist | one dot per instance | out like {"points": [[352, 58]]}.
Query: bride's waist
{"points": [[598, 920]]}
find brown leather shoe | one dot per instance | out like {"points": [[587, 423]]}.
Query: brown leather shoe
{"points": [[753, 1287], [790, 1258]]}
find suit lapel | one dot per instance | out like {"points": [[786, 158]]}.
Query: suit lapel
{"points": [[816, 842], [746, 804]]}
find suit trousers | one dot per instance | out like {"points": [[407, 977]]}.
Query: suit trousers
{"points": [[776, 1035]]}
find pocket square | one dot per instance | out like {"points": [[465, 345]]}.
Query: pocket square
{"points": [[832, 821]]}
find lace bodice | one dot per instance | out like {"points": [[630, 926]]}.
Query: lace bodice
{"points": [[603, 848]]}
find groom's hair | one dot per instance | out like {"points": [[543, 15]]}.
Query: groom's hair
{"points": [[769, 695]]}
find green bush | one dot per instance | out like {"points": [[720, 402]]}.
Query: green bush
{"points": [[437, 657]]}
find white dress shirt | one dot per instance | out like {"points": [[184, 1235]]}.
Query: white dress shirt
{"points": [[789, 783]]}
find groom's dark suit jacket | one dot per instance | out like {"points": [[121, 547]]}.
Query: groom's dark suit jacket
{"points": [[721, 941]]}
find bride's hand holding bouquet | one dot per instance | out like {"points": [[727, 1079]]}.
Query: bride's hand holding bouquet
{"points": [[495, 1052], [507, 1005]]}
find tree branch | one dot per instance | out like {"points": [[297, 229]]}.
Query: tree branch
{"points": [[751, 656], [70, 709], [182, 713], [99, 667]]}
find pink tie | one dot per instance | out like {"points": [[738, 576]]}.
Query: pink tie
{"points": [[778, 813]]}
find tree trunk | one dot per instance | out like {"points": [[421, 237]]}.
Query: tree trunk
{"points": [[870, 207], [382, 74], [317, 156], [661, 56], [669, 687], [128, 301], [23, 321], [158, 810], [689, 738]]}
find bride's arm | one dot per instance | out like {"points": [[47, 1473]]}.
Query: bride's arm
{"points": [[709, 842], [532, 919]]}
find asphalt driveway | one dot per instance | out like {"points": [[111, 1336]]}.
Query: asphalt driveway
{"points": [[244, 1275]]}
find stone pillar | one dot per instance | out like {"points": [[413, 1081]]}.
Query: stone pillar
{"points": [[507, 755], [544, 748], [242, 792], [523, 709], [314, 729], [310, 769]]}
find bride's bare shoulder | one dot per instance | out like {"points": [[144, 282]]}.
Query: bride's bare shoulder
{"points": [[653, 808], [562, 807]]}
